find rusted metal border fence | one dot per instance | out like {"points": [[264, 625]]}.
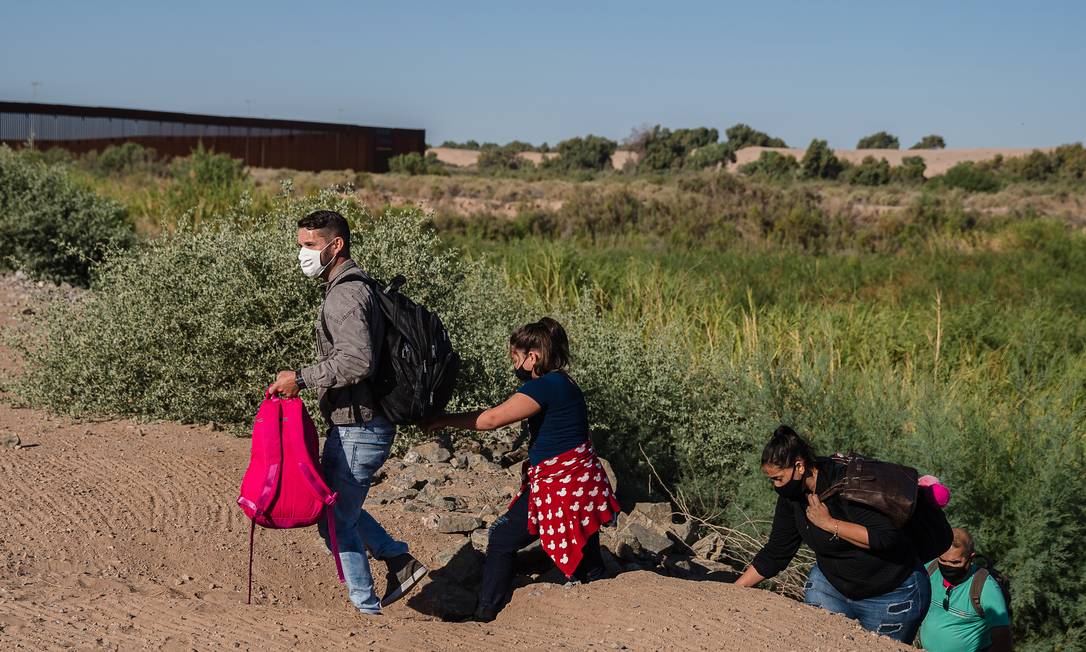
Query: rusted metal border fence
{"points": [[260, 142]]}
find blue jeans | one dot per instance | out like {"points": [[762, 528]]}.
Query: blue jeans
{"points": [[352, 455], [896, 614]]}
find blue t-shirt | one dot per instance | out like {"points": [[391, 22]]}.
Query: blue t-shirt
{"points": [[561, 423]]}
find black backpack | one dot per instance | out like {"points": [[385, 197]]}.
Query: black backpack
{"points": [[986, 568], [417, 366]]}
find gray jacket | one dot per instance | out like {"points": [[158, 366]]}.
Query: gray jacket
{"points": [[350, 321]]}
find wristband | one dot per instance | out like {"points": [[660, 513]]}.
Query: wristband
{"points": [[298, 380]]}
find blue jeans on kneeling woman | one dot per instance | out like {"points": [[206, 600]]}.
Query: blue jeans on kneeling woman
{"points": [[896, 614]]}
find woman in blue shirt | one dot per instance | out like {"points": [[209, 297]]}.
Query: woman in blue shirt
{"points": [[562, 470]]}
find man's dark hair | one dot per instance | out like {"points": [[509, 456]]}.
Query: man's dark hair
{"points": [[331, 225]]}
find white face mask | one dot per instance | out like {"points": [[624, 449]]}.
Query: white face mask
{"points": [[310, 260]]}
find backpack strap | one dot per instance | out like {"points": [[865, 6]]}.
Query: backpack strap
{"points": [[975, 588], [271, 483], [932, 567]]}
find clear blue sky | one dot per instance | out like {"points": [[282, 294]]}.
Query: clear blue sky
{"points": [[991, 73]]}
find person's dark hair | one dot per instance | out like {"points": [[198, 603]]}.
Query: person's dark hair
{"points": [[785, 447], [331, 224], [549, 338]]}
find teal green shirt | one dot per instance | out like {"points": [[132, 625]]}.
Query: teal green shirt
{"points": [[959, 628]]}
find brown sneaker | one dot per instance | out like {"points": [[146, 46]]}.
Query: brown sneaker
{"points": [[404, 572]]}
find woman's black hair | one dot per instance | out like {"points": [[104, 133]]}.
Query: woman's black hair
{"points": [[548, 338], [785, 447]]}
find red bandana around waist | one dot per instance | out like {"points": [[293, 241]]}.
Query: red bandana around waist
{"points": [[569, 499]]}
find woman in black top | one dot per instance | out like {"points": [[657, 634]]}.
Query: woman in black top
{"points": [[865, 567]]}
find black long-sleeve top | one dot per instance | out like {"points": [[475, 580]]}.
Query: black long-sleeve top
{"points": [[855, 572]]}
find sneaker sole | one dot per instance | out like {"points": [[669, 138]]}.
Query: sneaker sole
{"points": [[405, 587]]}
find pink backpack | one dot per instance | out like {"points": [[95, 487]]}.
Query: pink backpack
{"points": [[283, 487]]}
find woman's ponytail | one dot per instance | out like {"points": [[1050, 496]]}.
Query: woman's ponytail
{"points": [[785, 447], [548, 338]]}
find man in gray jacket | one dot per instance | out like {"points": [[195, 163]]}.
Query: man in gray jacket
{"points": [[349, 330]]}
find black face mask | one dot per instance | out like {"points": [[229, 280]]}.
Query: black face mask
{"points": [[523, 375], [792, 490], [954, 574]]}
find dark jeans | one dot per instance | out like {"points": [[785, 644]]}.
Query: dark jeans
{"points": [[509, 534]]}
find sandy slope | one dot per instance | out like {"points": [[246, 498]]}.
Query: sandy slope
{"points": [[126, 535], [938, 161]]}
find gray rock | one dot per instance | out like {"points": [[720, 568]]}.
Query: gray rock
{"points": [[411, 457], [460, 563], [480, 538], [710, 547], [432, 451], [611, 477], [457, 523], [431, 497], [10, 440], [396, 496], [409, 479], [660, 518]]}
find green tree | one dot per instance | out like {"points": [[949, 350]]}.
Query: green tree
{"points": [[493, 158], [742, 135], [711, 155], [772, 165], [911, 170], [819, 161], [971, 177], [587, 153], [932, 141], [870, 172], [414, 163], [662, 149], [880, 140]]}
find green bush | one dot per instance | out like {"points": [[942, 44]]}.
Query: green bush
{"points": [[414, 163], [911, 170], [819, 162], [870, 172], [471, 144], [49, 226], [741, 135], [494, 159], [206, 183], [772, 165], [125, 159], [970, 177], [588, 153], [661, 149], [933, 141], [880, 140], [711, 156]]}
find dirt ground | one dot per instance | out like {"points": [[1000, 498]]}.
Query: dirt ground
{"points": [[125, 535]]}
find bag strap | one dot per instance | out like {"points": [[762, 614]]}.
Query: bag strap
{"points": [[252, 530], [975, 588], [271, 480]]}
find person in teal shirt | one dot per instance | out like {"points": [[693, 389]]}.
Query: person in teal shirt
{"points": [[953, 623]]}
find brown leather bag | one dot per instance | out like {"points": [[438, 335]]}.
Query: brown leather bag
{"points": [[890, 489]]}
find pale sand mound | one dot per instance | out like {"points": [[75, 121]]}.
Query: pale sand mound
{"points": [[468, 157], [125, 535], [938, 161]]}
